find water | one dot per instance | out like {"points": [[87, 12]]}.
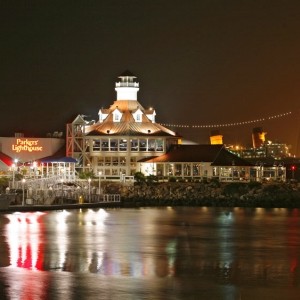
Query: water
{"points": [[153, 253]]}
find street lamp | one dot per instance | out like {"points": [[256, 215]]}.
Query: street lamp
{"points": [[23, 191], [100, 173], [89, 180], [13, 166]]}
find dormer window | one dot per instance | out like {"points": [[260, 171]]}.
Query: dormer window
{"points": [[102, 115], [137, 115], [150, 113], [117, 115]]}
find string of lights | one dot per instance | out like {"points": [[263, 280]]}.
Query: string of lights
{"points": [[240, 123]]}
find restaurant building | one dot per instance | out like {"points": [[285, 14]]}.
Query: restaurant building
{"points": [[124, 134]]}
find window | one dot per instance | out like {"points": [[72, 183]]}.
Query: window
{"points": [[123, 145], [196, 169], [159, 145], [160, 169], [117, 116], [115, 161], [104, 144], [122, 160], [178, 170], [151, 145], [187, 169], [143, 145], [96, 145], [107, 172], [100, 161], [114, 172], [107, 161], [170, 169], [134, 145], [132, 162], [114, 145]]}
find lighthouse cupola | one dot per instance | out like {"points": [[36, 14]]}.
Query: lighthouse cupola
{"points": [[127, 87]]}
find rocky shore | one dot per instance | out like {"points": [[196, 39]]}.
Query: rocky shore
{"points": [[235, 194], [210, 194]]}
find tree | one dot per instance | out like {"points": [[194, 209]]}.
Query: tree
{"points": [[3, 184]]}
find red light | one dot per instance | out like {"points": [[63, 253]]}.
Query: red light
{"points": [[293, 168]]}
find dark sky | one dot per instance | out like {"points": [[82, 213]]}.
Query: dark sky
{"points": [[198, 62]]}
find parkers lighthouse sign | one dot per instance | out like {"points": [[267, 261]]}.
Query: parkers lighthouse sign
{"points": [[27, 145]]}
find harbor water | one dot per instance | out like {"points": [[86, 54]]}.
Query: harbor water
{"points": [[150, 253]]}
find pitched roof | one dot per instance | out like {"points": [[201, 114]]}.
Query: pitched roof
{"points": [[58, 156], [217, 155], [126, 105], [226, 158], [127, 73], [129, 128], [127, 124]]}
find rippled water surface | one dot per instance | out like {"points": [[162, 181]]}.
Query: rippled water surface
{"points": [[153, 253]]}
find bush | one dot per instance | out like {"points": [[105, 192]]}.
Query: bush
{"points": [[86, 175], [204, 180], [172, 179], [215, 182], [254, 184], [139, 177], [151, 179]]}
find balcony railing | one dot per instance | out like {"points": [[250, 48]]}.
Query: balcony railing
{"points": [[127, 84]]}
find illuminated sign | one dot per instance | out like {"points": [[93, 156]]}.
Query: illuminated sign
{"points": [[26, 146]]}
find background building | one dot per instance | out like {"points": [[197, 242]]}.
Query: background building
{"points": [[19, 151], [216, 138]]}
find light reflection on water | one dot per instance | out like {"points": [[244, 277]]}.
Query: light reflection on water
{"points": [[179, 253]]}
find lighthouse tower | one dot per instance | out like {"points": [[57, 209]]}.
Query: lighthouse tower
{"points": [[127, 87]]}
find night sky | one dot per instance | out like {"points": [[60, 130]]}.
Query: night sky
{"points": [[198, 62]]}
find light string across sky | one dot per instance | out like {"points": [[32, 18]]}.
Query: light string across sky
{"points": [[229, 124]]}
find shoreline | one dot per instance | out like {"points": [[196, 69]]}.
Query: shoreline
{"points": [[144, 203], [214, 194], [211, 194]]}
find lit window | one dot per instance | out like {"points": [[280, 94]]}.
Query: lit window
{"points": [[116, 118]]}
